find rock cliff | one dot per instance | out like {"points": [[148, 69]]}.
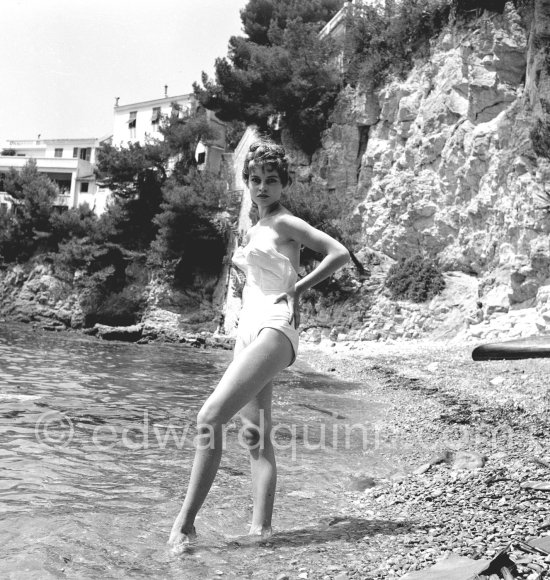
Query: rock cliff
{"points": [[32, 293], [453, 161]]}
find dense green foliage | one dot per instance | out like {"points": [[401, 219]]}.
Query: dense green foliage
{"points": [[23, 232], [281, 67], [135, 175], [163, 213], [189, 239], [379, 45], [181, 135], [73, 223], [265, 20], [417, 278]]}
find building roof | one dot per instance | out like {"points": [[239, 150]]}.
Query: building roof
{"points": [[163, 100]]}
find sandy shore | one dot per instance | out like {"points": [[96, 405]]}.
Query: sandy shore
{"points": [[467, 438]]}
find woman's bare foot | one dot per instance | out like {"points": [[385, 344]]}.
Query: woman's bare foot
{"points": [[261, 531], [179, 540]]}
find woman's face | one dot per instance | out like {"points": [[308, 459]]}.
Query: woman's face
{"points": [[264, 185]]}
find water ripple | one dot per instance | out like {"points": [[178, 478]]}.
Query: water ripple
{"points": [[96, 446]]}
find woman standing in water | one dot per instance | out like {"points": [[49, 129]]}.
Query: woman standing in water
{"points": [[267, 338]]}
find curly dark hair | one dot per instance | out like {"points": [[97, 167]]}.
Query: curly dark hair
{"points": [[266, 153]]}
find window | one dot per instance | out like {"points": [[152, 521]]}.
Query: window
{"points": [[201, 157], [86, 153], [132, 121], [75, 152], [58, 153], [2, 177], [84, 187], [155, 119]]}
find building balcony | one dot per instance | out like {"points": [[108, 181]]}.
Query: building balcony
{"points": [[49, 164], [42, 163], [63, 200]]}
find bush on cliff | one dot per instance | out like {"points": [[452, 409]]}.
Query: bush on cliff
{"points": [[416, 278], [112, 281], [135, 175], [190, 241], [76, 222], [27, 228], [181, 136], [139, 178], [381, 44]]}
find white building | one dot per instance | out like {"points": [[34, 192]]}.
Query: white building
{"points": [[71, 162], [140, 122], [68, 162]]}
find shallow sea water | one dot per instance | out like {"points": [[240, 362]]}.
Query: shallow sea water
{"points": [[96, 443]]}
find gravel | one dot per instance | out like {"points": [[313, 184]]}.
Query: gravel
{"points": [[448, 415]]}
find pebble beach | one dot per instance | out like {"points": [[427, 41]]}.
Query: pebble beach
{"points": [[472, 464]]}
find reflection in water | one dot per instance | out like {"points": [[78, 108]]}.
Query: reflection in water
{"points": [[96, 442]]}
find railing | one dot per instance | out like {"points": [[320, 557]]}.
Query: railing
{"points": [[63, 200]]}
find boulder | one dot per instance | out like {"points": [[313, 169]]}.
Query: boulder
{"points": [[123, 333], [497, 300]]}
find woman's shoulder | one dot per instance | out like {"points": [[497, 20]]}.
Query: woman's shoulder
{"points": [[291, 222], [291, 227]]}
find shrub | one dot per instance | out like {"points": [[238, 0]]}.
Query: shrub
{"points": [[113, 281], [13, 244], [189, 237], [417, 278], [27, 229], [380, 45], [74, 223]]}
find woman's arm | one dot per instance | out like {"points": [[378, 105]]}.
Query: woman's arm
{"points": [[335, 256], [335, 253]]}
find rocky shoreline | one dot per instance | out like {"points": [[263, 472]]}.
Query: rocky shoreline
{"points": [[474, 439], [470, 444]]}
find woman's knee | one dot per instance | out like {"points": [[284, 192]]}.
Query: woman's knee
{"points": [[208, 418], [255, 436]]}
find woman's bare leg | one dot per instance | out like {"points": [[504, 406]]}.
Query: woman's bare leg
{"points": [[256, 417], [245, 377]]}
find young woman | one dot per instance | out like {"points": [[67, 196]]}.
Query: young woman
{"points": [[267, 338]]}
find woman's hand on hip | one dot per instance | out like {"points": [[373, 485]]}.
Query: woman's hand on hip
{"points": [[292, 298]]}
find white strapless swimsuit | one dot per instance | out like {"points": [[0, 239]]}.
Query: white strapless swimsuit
{"points": [[268, 274]]}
